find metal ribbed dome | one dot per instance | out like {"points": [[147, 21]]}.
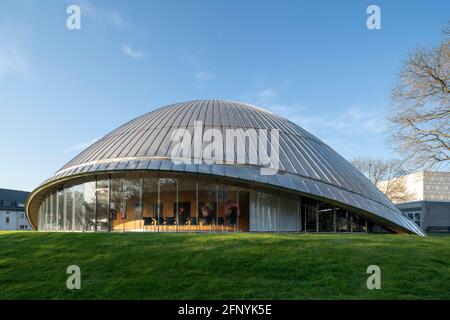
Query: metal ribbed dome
{"points": [[307, 165]]}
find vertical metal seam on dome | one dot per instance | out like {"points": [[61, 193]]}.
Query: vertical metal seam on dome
{"points": [[115, 135], [127, 138], [330, 176], [161, 131], [270, 144], [252, 143], [145, 138], [87, 152], [179, 113], [182, 115], [312, 174], [148, 136], [147, 123], [186, 124], [132, 151]]}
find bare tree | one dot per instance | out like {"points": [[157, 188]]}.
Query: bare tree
{"points": [[420, 120], [387, 175]]}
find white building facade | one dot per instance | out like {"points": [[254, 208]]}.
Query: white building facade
{"points": [[12, 210]]}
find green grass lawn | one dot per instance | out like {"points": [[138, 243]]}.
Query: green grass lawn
{"points": [[222, 266]]}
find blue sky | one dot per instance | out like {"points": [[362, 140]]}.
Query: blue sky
{"points": [[314, 62]]}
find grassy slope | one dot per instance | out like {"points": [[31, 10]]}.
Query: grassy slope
{"points": [[214, 266]]}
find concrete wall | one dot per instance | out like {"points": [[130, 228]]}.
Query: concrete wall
{"points": [[437, 214], [433, 213], [436, 185]]}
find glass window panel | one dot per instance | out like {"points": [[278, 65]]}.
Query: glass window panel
{"points": [[166, 219], [102, 205], [69, 209], [264, 211], [358, 223], [186, 205], [78, 207], [207, 206], [228, 207], [40, 217], [60, 210], [342, 221], [48, 221], [374, 228], [243, 218], [132, 187], [89, 206], [46, 204], [117, 206], [289, 217], [103, 182], [46, 214], [326, 218], [310, 217], [54, 218], [149, 203]]}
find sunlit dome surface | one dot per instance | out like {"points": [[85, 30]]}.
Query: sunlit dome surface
{"points": [[307, 165]]}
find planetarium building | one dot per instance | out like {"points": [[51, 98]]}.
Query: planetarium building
{"points": [[212, 166]]}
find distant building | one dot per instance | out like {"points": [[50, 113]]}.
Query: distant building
{"points": [[428, 185], [429, 200], [430, 215], [12, 210]]}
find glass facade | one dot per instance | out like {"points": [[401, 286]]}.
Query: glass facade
{"points": [[181, 203]]}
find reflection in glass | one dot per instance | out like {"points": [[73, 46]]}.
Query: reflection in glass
{"points": [[77, 191], [117, 206], [102, 204], [102, 217], [167, 201], [69, 209], [132, 189], [136, 202], [358, 224], [228, 207], [89, 206], [60, 209], [326, 218], [343, 221], [310, 217], [186, 205], [289, 216], [54, 217], [207, 206], [149, 199], [47, 218], [243, 216]]}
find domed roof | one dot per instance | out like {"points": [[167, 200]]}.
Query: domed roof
{"points": [[307, 165]]}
